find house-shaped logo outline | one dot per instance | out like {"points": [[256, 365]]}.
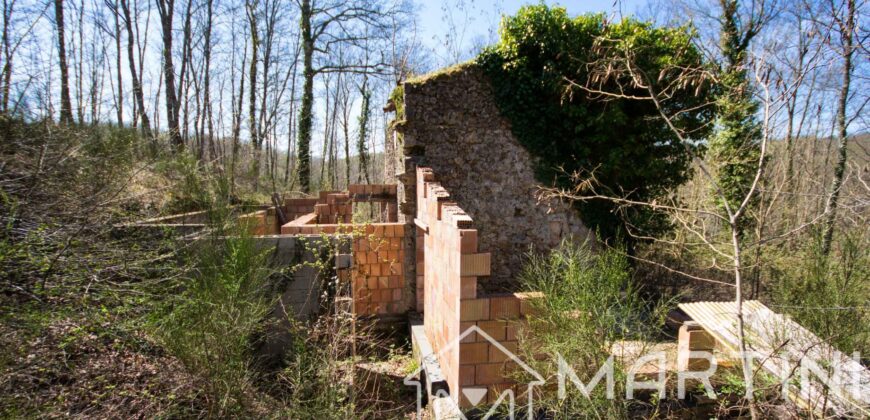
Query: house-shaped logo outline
{"points": [[410, 379]]}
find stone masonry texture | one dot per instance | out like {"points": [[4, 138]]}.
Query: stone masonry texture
{"points": [[453, 126]]}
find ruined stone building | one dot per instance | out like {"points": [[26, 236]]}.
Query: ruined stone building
{"points": [[445, 244], [450, 239]]}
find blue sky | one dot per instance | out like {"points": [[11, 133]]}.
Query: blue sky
{"points": [[483, 15]]}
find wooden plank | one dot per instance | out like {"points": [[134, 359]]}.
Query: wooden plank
{"points": [[781, 344]]}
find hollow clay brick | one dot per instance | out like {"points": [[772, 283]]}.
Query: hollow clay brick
{"points": [[507, 307], [473, 353], [474, 310]]}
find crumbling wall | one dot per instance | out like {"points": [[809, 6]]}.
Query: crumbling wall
{"points": [[453, 126]]}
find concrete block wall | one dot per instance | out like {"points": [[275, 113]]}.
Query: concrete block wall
{"points": [[378, 272], [301, 296]]}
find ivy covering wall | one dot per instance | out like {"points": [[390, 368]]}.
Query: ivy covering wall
{"points": [[623, 141]]}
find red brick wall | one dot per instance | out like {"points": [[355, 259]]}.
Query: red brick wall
{"points": [[448, 267], [441, 267], [295, 207], [334, 207], [378, 272], [481, 363], [258, 223]]}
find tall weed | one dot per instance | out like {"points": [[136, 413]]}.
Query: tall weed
{"points": [[829, 295], [212, 324], [590, 303]]}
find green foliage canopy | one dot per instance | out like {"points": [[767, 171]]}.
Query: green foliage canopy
{"points": [[624, 141]]}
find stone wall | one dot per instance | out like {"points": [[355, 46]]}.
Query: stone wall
{"points": [[453, 126]]}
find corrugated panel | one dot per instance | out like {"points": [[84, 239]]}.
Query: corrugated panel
{"points": [[779, 345]]}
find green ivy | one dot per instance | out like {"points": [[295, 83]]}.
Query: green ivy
{"points": [[736, 146], [397, 98], [625, 142]]}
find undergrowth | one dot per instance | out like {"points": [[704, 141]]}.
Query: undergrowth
{"points": [[829, 295], [589, 305], [97, 320]]}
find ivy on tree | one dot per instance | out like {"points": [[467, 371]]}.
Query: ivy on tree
{"points": [[736, 146], [625, 142]]}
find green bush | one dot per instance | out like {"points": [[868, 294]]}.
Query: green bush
{"points": [[625, 142], [829, 295], [590, 304], [212, 324]]}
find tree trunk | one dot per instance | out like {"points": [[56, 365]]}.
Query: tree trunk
{"points": [[79, 68], [252, 99], [848, 27], [65, 102], [207, 78], [167, 10], [345, 126], [290, 122], [95, 88], [362, 147], [138, 94], [119, 105], [735, 145], [745, 359], [237, 124], [185, 74], [333, 164], [305, 111], [326, 138], [7, 56]]}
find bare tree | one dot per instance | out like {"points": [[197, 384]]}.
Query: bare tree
{"points": [[207, 106], [618, 74], [253, 129], [290, 126], [324, 25], [844, 24], [65, 102], [6, 76], [166, 10], [138, 94], [185, 74], [78, 57], [237, 113], [119, 101]]}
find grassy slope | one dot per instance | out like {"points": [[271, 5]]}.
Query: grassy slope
{"points": [[84, 309]]}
